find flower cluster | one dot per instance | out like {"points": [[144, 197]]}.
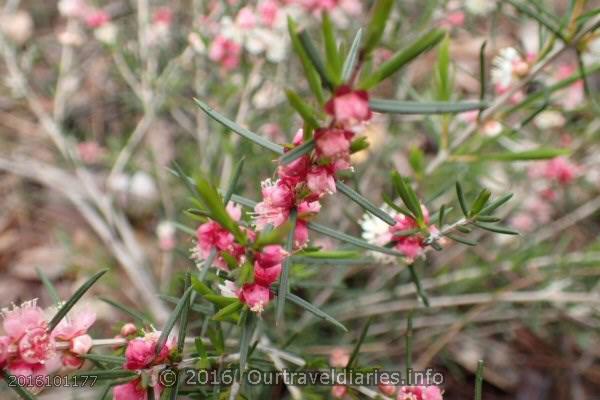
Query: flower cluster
{"points": [[267, 261], [30, 349], [141, 356], [304, 181], [412, 392]]}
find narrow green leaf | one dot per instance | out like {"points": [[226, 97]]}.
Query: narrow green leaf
{"points": [[49, 286], [494, 205], [297, 152], [213, 202], [443, 81], [441, 216], [204, 362], [480, 202], [21, 391], [228, 310], [359, 144], [177, 312], [417, 282], [431, 107], [408, 196], [351, 239], [235, 177], [215, 334], [395, 206], [208, 263], [314, 310], [356, 351], [365, 203], [408, 342], [539, 17], [274, 236], [104, 358], [315, 58], [304, 109], [200, 286], [221, 301], [65, 308], [127, 310], [187, 181], [537, 154], [487, 218], [380, 13], [461, 199], [330, 254], [496, 228], [351, 58], [482, 79], [416, 158], [479, 380], [462, 240], [331, 261], [247, 333], [183, 319], [245, 133], [403, 57], [283, 279], [333, 58], [104, 374], [312, 76]]}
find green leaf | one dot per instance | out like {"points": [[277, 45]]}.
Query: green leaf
{"points": [[479, 380], [420, 291], [49, 286], [215, 334], [403, 57], [380, 13], [395, 206], [312, 76], [200, 286], [21, 391], [496, 228], [480, 202], [331, 254], [104, 358], [104, 374], [365, 203], [482, 79], [537, 154], [432, 107], [204, 362], [487, 218], [444, 83], [274, 236], [228, 310], [245, 133], [183, 319], [351, 239], [315, 58], [409, 197], [461, 239], [304, 109], [221, 301], [314, 310], [494, 205], [416, 158], [283, 279], [136, 315], [359, 144], [461, 199], [65, 308], [297, 152], [235, 177], [441, 216], [213, 202], [180, 308], [539, 17], [356, 351], [334, 62], [351, 58], [246, 336]]}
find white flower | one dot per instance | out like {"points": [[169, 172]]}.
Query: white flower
{"points": [[480, 7], [549, 119], [376, 231], [504, 67], [228, 289]]}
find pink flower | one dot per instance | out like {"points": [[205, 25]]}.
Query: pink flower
{"points": [[268, 11], [338, 391], [163, 16], [96, 18], [130, 391], [141, 352], [561, 170], [74, 325], [412, 245], [453, 19], [4, 350], [81, 344], [246, 19], [226, 52], [349, 106], [419, 393], [128, 329], [300, 234], [255, 296], [270, 255], [265, 276], [278, 199], [308, 209], [320, 180], [294, 172], [339, 358], [278, 195], [333, 143]]}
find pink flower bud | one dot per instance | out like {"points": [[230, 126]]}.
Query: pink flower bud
{"points": [[333, 143], [265, 276], [140, 352], [268, 11], [300, 234], [128, 329], [338, 391], [81, 344], [255, 296], [246, 19], [349, 106], [388, 390], [320, 180], [270, 255], [339, 358], [226, 52], [97, 18]]}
